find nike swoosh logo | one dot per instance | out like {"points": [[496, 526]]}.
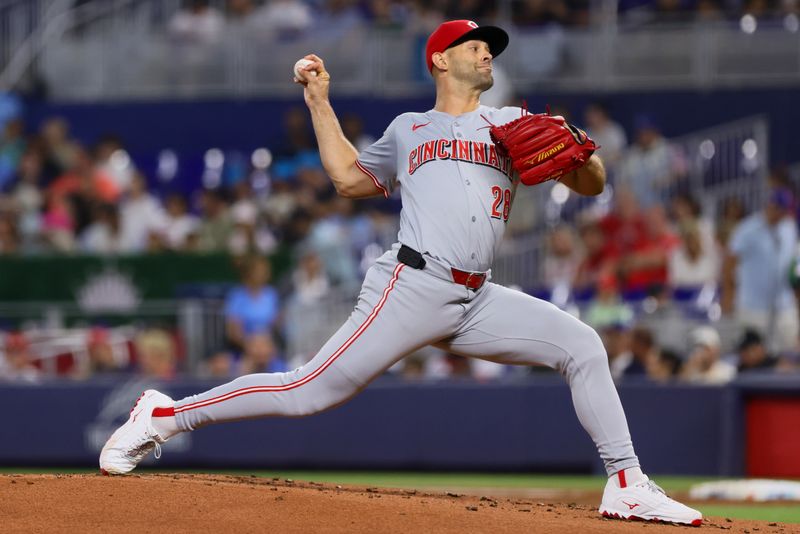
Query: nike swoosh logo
{"points": [[630, 506], [415, 127]]}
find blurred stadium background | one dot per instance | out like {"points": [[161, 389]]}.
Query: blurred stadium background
{"points": [[165, 220]]}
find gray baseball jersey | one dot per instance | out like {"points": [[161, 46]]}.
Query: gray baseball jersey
{"points": [[456, 190], [456, 194]]}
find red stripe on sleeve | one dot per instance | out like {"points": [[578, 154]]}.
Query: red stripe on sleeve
{"points": [[374, 178]]}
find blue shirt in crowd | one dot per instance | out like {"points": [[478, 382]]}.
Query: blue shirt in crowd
{"points": [[256, 312], [764, 255]]}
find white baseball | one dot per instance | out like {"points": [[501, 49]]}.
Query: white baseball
{"points": [[299, 73]]}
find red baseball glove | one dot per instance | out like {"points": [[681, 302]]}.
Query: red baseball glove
{"points": [[542, 147]]}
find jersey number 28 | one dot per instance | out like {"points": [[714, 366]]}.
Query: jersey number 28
{"points": [[501, 206]]}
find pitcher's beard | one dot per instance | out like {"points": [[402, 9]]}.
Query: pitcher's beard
{"points": [[471, 77], [482, 80], [486, 83]]}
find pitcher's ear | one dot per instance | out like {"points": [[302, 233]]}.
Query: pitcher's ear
{"points": [[439, 60]]}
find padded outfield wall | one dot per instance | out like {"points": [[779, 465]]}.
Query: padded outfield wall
{"points": [[518, 426]]}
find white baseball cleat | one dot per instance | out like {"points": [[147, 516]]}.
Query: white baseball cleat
{"points": [[645, 501], [136, 438]]}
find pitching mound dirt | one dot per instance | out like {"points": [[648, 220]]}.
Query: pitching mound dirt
{"points": [[210, 503]]}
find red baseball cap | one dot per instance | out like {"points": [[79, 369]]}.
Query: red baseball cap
{"points": [[455, 32]]}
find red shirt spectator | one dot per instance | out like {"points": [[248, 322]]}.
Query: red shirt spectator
{"points": [[599, 258], [645, 265], [84, 179], [624, 227]]}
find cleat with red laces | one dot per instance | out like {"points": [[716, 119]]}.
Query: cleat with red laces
{"points": [[645, 501]]}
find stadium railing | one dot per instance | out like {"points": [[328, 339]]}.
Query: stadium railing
{"points": [[58, 333]]}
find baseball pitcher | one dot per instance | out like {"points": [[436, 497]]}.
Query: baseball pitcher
{"points": [[457, 167]]}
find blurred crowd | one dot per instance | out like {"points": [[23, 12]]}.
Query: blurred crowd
{"points": [[201, 21], [58, 195], [61, 196], [677, 293], [679, 296]]}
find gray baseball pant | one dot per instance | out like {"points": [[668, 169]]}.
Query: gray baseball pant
{"points": [[401, 309]]}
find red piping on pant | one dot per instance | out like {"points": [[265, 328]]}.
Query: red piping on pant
{"points": [[316, 372]]}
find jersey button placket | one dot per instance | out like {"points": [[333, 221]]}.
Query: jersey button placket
{"points": [[459, 134], [462, 166]]}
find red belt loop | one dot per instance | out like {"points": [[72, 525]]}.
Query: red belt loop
{"points": [[468, 279]]}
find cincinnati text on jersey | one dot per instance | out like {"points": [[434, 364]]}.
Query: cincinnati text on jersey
{"points": [[476, 152]]}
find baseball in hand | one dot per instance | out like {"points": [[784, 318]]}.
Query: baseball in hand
{"points": [[299, 73]]}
